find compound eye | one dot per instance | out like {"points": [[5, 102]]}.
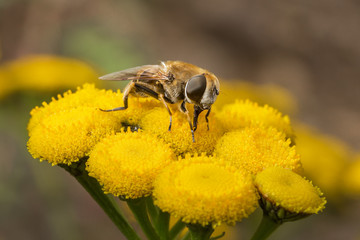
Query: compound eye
{"points": [[195, 88]]}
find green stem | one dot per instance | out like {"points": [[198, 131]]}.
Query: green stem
{"points": [[163, 225], [159, 219], [152, 210], [106, 202], [176, 229], [199, 232], [138, 207], [265, 229], [187, 236]]}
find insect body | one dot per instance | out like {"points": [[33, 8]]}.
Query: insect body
{"points": [[171, 82]]}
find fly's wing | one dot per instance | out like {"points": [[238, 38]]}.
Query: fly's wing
{"points": [[145, 73]]}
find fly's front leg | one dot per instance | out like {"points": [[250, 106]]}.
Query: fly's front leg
{"points": [[161, 98], [186, 112], [206, 118], [197, 111], [127, 90]]}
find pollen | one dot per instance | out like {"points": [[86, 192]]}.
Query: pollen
{"points": [[156, 121], [289, 190], [127, 163], [272, 95], [245, 113], [89, 96], [68, 135], [256, 148], [205, 191]]}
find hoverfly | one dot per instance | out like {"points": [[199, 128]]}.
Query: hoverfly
{"points": [[171, 82]]}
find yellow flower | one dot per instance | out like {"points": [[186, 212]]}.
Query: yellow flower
{"points": [[324, 160], [289, 190], [244, 113], [126, 164], [89, 96], [351, 179], [47, 73], [256, 148], [66, 136], [5, 85], [264, 94], [156, 122], [205, 191]]}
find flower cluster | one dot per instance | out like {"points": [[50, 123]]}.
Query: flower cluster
{"points": [[132, 155]]}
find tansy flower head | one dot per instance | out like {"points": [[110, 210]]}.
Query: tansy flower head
{"points": [[351, 178], [256, 148], [245, 113], [89, 96], [263, 94], [156, 122], [201, 190], [288, 190], [324, 160], [127, 163], [66, 136], [6, 87], [47, 73]]}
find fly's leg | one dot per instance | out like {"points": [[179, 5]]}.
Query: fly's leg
{"points": [[125, 99], [206, 118], [186, 112], [197, 111], [161, 98]]}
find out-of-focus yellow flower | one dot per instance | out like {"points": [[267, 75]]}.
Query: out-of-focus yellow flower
{"points": [[46, 73], [256, 148], [126, 164], [68, 135], [5, 86], [202, 190], [89, 96], [156, 122], [264, 94], [289, 190], [324, 160], [244, 113], [351, 178]]}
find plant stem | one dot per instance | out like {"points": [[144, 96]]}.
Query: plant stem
{"points": [[159, 219], [106, 202], [162, 225], [138, 207], [266, 228], [176, 229], [199, 232], [152, 210], [187, 236]]}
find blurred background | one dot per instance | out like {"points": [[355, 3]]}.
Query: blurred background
{"points": [[302, 57]]}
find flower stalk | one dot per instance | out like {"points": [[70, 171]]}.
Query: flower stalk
{"points": [[105, 201], [159, 219], [199, 232], [139, 209], [266, 228], [176, 229]]}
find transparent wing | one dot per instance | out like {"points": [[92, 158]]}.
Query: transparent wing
{"points": [[142, 73]]}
